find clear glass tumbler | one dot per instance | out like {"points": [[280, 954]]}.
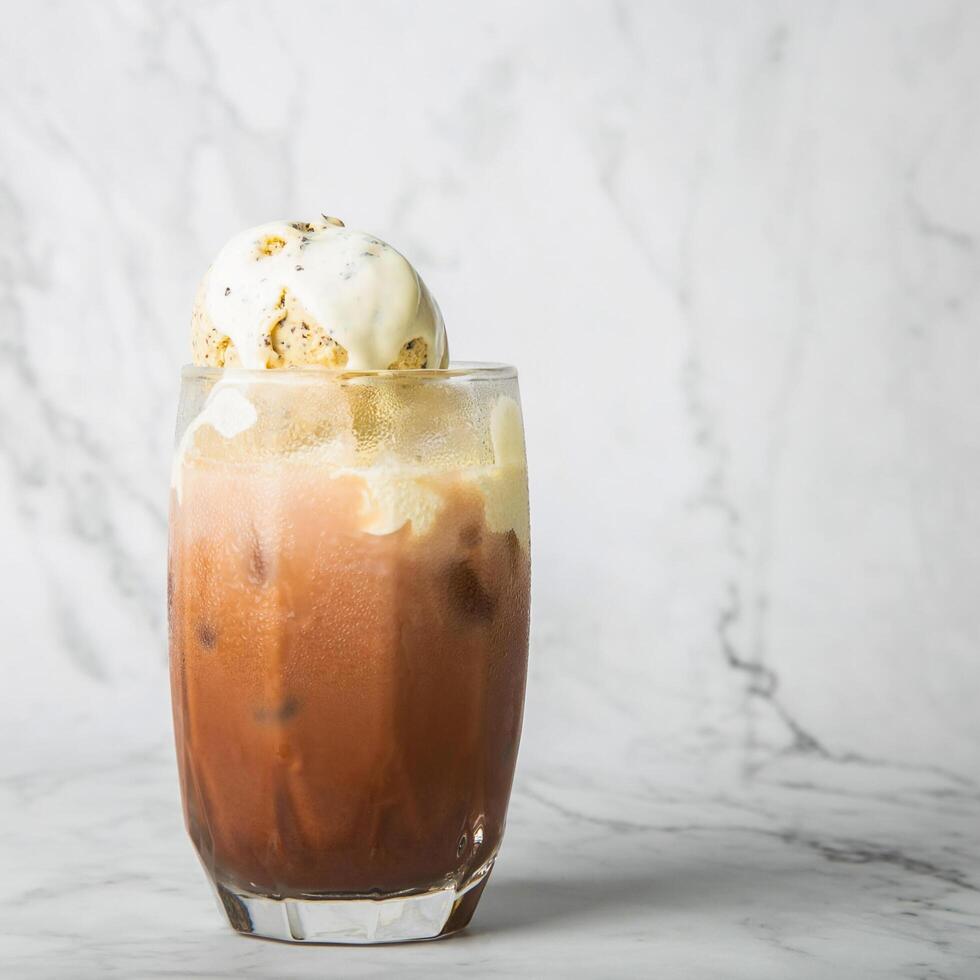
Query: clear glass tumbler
{"points": [[348, 596]]}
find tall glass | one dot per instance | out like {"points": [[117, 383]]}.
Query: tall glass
{"points": [[348, 599]]}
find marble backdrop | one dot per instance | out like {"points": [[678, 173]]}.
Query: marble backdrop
{"points": [[734, 250]]}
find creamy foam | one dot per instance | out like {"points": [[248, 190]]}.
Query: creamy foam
{"points": [[227, 411], [396, 492]]}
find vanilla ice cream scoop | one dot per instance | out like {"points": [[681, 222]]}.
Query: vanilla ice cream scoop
{"points": [[293, 294]]}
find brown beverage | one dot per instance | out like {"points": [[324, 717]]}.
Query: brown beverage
{"points": [[349, 625]]}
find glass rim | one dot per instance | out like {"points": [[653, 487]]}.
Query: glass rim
{"points": [[465, 370]]}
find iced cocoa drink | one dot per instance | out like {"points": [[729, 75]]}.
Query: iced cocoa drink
{"points": [[348, 593]]}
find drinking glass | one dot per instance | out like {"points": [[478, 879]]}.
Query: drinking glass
{"points": [[348, 597]]}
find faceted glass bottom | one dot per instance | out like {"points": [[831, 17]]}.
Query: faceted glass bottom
{"points": [[356, 920]]}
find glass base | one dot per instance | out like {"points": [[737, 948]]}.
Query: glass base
{"points": [[359, 921]]}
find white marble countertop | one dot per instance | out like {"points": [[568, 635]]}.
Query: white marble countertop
{"points": [[662, 865]]}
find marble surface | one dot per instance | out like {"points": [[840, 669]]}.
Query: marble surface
{"points": [[626, 867], [752, 743]]}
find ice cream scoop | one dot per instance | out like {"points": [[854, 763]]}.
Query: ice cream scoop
{"points": [[295, 294]]}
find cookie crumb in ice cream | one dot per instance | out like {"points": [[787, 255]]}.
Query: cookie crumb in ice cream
{"points": [[414, 354], [271, 244], [298, 339]]}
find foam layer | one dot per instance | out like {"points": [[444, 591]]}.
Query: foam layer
{"points": [[397, 491]]}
